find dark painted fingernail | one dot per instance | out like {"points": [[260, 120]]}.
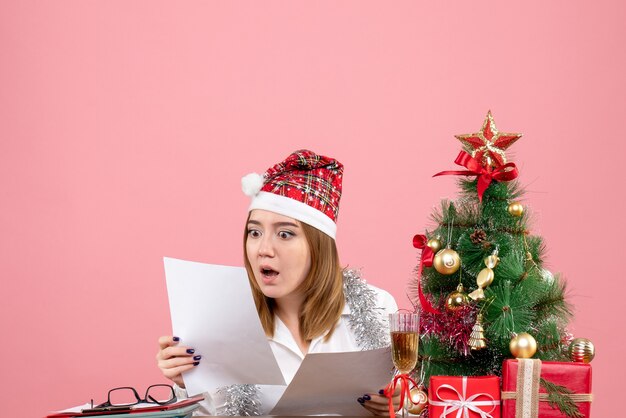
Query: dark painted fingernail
{"points": [[360, 400], [197, 357], [175, 339], [367, 397], [190, 351], [381, 392], [196, 363]]}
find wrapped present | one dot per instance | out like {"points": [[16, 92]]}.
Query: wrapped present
{"points": [[462, 396], [532, 388]]}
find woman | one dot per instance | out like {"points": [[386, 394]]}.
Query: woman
{"points": [[306, 302]]}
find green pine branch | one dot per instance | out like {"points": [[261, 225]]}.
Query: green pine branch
{"points": [[508, 309], [550, 345], [552, 300], [558, 398], [537, 249]]}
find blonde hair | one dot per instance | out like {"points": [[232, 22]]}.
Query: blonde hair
{"points": [[322, 288]]}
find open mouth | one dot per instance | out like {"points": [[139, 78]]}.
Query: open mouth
{"points": [[268, 272]]}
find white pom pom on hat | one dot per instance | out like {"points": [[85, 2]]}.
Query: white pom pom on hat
{"points": [[251, 184]]}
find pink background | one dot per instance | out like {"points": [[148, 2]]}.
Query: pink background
{"points": [[125, 127]]}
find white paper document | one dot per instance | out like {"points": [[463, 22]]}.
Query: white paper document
{"points": [[330, 383], [213, 311]]}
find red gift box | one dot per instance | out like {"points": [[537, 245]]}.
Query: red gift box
{"points": [[520, 385], [461, 396]]}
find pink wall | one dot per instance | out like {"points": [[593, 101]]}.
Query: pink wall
{"points": [[126, 126]]}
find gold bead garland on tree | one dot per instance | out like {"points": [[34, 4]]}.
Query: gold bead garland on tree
{"points": [[523, 345], [581, 350], [485, 276]]}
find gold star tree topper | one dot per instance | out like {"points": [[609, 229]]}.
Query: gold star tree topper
{"points": [[488, 145]]}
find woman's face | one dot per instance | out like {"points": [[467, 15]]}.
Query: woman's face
{"points": [[278, 253]]}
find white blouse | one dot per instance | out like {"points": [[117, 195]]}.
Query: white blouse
{"points": [[289, 357]]}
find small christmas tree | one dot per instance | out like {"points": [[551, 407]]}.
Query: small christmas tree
{"points": [[481, 243]]}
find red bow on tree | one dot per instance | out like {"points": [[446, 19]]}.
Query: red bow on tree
{"points": [[486, 175], [419, 241]]}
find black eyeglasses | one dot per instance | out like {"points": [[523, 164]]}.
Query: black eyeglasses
{"points": [[127, 396]]}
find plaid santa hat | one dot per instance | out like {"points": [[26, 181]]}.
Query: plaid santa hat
{"points": [[305, 186]]}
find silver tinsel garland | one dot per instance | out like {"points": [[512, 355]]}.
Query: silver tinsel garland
{"points": [[367, 323], [241, 400]]}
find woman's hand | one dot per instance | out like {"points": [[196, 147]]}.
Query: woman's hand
{"points": [[378, 403], [173, 359]]}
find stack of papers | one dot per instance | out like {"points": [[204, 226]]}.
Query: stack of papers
{"points": [[209, 302]]}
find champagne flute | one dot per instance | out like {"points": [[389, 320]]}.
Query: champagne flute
{"points": [[404, 328]]}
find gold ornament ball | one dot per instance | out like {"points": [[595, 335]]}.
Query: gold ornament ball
{"points": [[516, 209], [420, 401], [447, 261], [523, 345], [457, 299], [581, 350], [434, 244]]}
